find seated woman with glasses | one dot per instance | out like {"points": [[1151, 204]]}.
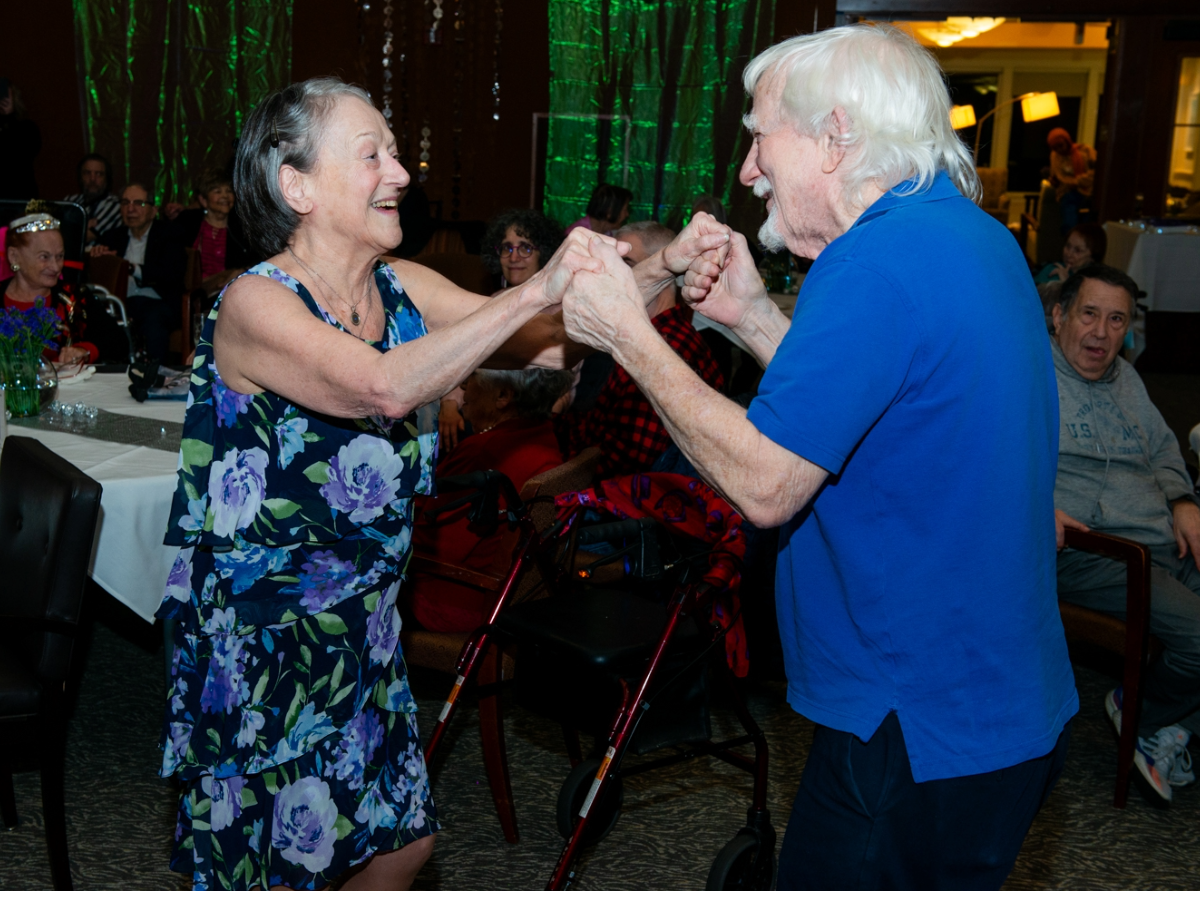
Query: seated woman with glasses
{"points": [[508, 411], [516, 244]]}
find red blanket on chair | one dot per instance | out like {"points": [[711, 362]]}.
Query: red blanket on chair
{"points": [[689, 507]]}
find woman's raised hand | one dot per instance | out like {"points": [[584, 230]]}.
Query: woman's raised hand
{"points": [[573, 255], [603, 302]]}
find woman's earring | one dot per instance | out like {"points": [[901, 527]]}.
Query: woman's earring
{"points": [[15, 267]]}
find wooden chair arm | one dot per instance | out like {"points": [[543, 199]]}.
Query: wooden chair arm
{"points": [[1137, 594], [428, 565]]}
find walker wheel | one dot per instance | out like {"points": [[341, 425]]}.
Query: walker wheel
{"points": [[742, 866], [603, 815]]}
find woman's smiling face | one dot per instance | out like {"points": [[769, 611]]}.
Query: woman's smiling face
{"points": [[358, 180]]}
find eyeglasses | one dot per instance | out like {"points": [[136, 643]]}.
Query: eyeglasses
{"points": [[507, 250], [140, 204]]}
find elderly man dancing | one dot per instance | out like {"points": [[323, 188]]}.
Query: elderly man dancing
{"points": [[905, 440]]}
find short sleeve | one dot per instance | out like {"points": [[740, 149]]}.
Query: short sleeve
{"points": [[846, 358]]}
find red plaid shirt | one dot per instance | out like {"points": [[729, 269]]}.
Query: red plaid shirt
{"points": [[623, 424]]}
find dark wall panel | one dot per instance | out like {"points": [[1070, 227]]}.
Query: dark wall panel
{"points": [[39, 58]]}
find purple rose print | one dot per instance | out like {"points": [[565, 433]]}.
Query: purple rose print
{"points": [[383, 626], [179, 735], [323, 580], [179, 582], [226, 796], [360, 739], [303, 825], [237, 486], [228, 402], [225, 686], [363, 478]]}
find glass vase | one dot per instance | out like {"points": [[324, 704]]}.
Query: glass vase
{"points": [[30, 385]]}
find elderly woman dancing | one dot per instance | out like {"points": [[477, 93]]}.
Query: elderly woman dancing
{"points": [[308, 433]]}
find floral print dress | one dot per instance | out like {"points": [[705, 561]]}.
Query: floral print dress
{"points": [[289, 718]]}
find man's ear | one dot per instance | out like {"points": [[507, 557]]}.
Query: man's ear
{"points": [[294, 186], [1056, 316], [833, 151]]}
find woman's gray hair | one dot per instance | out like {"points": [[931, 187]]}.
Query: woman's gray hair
{"points": [[535, 391], [285, 129], [895, 98]]}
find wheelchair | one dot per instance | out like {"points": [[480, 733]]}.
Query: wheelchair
{"points": [[631, 663]]}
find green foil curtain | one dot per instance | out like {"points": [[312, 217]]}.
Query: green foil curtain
{"points": [[665, 74], [167, 83]]}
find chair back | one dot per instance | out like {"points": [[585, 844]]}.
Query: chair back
{"points": [[993, 183], [110, 273], [48, 513], [191, 270], [575, 474]]}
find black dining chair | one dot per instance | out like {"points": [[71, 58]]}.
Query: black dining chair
{"points": [[48, 513]]}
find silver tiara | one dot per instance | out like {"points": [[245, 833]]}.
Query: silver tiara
{"points": [[34, 222]]}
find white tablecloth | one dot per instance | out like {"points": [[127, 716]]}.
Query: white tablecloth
{"points": [[129, 559], [1164, 262]]}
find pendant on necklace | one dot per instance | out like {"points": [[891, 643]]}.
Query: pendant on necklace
{"points": [[354, 317]]}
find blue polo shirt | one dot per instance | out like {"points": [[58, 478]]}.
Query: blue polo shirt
{"points": [[921, 579]]}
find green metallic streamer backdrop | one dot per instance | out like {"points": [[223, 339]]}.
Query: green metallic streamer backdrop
{"points": [[167, 84], [669, 75]]}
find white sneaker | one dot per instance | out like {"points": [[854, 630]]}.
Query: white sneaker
{"points": [[1181, 768], [1155, 759]]}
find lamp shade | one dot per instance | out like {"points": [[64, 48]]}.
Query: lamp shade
{"points": [[1039, 106], [962, 116]]}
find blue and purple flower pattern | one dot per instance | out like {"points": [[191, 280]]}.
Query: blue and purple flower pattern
{"points": [[289, 716]]}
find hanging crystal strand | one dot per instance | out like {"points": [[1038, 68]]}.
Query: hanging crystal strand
{"points": [[402, 138], [423, 166], [435, 29], [456, 141], [496, 62], [386, 95]]}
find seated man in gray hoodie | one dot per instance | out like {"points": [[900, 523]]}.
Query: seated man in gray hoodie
{"points": [[1120, 472]]}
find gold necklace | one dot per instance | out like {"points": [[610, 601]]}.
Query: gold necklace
{"points": [[354, 318]]}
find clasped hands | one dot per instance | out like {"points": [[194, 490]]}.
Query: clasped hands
{"points": [[603, 304]]}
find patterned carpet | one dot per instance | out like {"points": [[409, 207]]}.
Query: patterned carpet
{"points": [[674, 821]]}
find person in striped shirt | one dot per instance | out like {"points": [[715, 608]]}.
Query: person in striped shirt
{"points": [[103, 209]]}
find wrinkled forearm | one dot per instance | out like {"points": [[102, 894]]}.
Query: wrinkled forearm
{"points": [[652, 277], [763, 329], [765, 482]]}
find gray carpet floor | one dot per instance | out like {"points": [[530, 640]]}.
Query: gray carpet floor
{"points": [[673, 822]]}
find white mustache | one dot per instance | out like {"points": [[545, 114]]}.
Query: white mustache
{"points": [[762, 188]]}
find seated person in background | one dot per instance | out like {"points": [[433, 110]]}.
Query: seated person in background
{"points": [[508, 411], [1071, 174], [158, 263], [96, 197], [607, 211], [515, 245], [622, 423], [1085, 244], [35, 254], [1120, 472], [215, 230]]}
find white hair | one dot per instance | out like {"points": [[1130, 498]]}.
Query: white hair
{"points": [[895, 100]]}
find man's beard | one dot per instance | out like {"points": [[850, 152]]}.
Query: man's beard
{"points": [[91, 196], [769, 235]]}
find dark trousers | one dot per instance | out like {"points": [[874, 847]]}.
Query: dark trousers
{"points": [[1172, 686], [860, 822], [153, 320]]}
